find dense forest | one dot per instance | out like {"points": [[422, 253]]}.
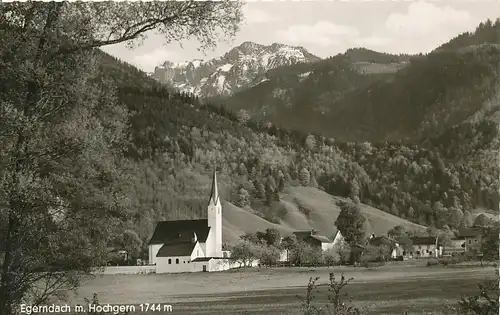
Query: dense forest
{"points": [[176, 141]]}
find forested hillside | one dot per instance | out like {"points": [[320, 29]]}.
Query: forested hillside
{"points": [[297, 96], [176, 142], [363, 95]]}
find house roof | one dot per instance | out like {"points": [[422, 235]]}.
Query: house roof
{"points": [[176, 249], [470, 232], [321, 238], [305, 233], [302, 235], [381, 240], [423, 240], [172, 231]]}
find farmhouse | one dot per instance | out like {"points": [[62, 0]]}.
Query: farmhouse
{"points": [[472, 238], [426, 246], [191, 245], [314, 239], [394, 247], [455, 247]]}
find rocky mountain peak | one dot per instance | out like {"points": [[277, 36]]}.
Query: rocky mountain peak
{"points": [[236, 70]]}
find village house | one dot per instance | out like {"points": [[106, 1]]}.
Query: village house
{"points": [[395, 249], [191, 245], [472, 238], [314, 239], [456, 247], [425, 246]]}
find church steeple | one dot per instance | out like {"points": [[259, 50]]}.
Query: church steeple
{"points": [[214, 194], [214, 218]]}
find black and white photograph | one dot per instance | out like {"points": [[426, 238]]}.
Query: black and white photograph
{"points": [[250, 157]]}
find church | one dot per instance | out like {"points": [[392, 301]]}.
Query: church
{"points": [[191, 245]]}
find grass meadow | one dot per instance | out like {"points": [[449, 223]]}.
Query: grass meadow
{"points": [[391, 289]]}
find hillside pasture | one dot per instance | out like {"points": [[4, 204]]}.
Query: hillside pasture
{"points": [[306, 208]]}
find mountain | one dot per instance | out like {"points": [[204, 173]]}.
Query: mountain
{"points": [[297, 96], [176, 141], [402, 98], [238, 69]]}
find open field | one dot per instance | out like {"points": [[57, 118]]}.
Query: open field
{"points": [[385, 290]]}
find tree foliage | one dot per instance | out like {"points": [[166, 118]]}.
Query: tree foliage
{"points": [[65, 180], [351, 223]]}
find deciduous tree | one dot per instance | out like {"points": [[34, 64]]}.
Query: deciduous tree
{"points": [[351, 223], [62, 188]]}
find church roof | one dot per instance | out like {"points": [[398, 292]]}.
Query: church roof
{"points": [[176, 249], [174, 231], [202, 259], [214, 193]]}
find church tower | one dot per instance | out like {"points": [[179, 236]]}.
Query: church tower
{"points": [[215, 221]]}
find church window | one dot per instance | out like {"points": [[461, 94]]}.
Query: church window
{"points": [[177, 260], [169, 261]]}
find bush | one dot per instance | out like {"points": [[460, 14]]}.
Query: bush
{"points": [[375, 254], [432, 262], [486, 302], [338, 302], [452, 260], [368, 264]]}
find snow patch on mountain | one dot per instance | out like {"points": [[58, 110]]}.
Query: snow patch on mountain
{"points": [[304, 76], [225, 67]]}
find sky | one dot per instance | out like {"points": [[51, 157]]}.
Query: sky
{"points": [[326, 28]]}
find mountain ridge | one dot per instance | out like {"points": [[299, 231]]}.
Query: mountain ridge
{"points": [[351, 100], [236, 70]]}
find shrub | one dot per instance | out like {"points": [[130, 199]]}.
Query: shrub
{"points": [[452, 260], [486, 302], [432, 262], [338, 302], [369, 264]]}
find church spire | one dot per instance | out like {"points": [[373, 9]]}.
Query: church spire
{"points": [[214, 194]]}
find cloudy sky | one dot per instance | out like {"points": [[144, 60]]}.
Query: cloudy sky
{"points": [[326, 28]]}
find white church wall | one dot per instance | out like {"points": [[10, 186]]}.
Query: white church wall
{"points": [[215, 235], [203, 247], [210, 244], [153, 250], [198, 251], [174, 264]]}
